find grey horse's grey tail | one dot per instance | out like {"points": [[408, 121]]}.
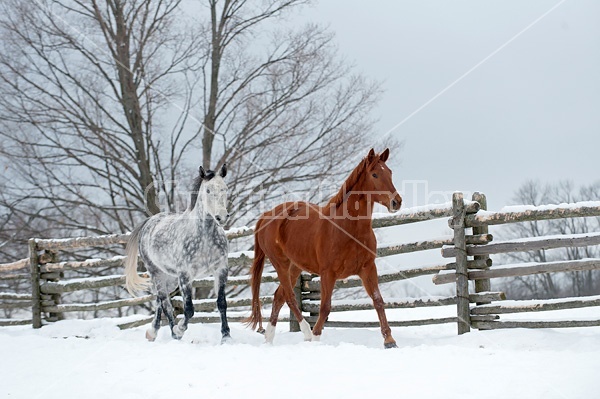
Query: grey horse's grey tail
{"points": [[133, 281]]}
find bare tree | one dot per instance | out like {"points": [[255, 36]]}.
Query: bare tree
{"points": [[82, 84], [107, 107], [286, 114], [553, 285]]}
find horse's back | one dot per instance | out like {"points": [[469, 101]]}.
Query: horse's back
{"points": [[292, 231]]}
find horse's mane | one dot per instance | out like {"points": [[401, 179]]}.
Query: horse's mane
{"points": [[349, 184], [196, 187]]}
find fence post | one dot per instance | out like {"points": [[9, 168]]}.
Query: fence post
{"points": [[482, 285], [51, 256], [462, 280], [36, 300], [314, 296], [294, 325]]}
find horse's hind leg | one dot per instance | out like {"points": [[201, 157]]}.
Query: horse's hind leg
{"points": [[167, 308], [153, 330], [222, 305], [283, 294], [188, 306], [164, 301], [278, 301], [291, 300]]}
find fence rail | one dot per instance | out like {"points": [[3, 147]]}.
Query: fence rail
{"points": [[519, 270], [541, 243], [547, 212]]}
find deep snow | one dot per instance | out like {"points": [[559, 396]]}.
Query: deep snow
{"points": [[94, 359]]}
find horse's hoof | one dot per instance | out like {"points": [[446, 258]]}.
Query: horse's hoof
{"points": [[177, 332], [270, 333], [316, 338], [226, 339], [261, 331], [388, 345], [150, 335], [306, 331]]}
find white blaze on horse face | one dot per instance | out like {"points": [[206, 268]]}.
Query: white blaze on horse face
{"points": [[214, 198]]}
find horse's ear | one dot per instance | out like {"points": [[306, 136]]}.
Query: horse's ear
{"points": [[385, 155], [223, 171], [371, 155], [202, 172]]}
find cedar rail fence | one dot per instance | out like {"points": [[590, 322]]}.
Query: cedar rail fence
{"points": [[468, 255]]}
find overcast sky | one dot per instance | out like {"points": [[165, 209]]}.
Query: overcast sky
{"points": [[530, 111]]}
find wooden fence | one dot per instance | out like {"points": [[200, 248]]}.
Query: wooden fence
{"points": [[470, 253], [486, 314], [15, 293]]}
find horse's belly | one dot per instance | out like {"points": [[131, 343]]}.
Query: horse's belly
{"points": [[207, 265], [309, 266]]}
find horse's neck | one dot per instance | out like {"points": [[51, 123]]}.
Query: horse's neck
{"points": [[200, 211], [354, 204], [357, 207], [354, 209]]}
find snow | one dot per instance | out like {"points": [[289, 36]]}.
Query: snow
{"points": [[249, 254], [94, 359], [72, 281], [531, 264], [550, 207], [534, 302], [519, 240], [406, 212], [239, 230], [538, 208]]}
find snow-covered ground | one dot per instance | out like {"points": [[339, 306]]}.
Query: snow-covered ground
{"points": [[94, 359]]}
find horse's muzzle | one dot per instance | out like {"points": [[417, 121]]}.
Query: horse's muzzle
{"points": [[222, 220], [395, 204]]}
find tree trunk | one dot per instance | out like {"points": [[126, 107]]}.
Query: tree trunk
{"points": [[132, 110], [210, 119]]}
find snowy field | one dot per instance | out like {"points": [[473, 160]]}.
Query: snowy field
{"points": [[94, 359]]}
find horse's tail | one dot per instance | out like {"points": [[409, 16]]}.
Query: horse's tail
{"points": [[133, 281], [255, 276]]}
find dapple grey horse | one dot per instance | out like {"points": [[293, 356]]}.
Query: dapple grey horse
{"points": [[178, 248]]}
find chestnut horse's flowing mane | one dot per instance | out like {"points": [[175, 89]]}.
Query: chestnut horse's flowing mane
{"points": [[349, 184]]}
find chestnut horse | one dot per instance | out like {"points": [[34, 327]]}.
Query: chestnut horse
{"points": [[334, 241]]}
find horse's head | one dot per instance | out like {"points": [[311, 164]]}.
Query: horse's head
{"points": [[379, 181], [213, 193]]}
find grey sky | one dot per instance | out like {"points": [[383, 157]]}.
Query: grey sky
{"points": [[531, 111]]}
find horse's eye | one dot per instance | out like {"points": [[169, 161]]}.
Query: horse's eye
{"points": [[375, 175], [207, 191]]}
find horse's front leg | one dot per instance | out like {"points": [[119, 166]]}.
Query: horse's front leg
{"points": [[327, 284], [369, 278], [222, 305], [185, 285]]}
